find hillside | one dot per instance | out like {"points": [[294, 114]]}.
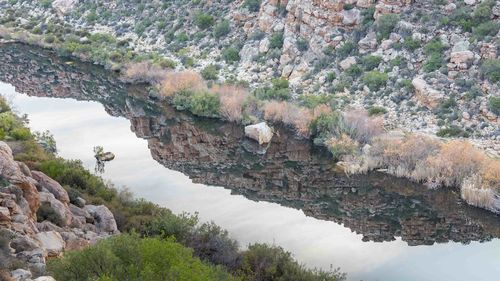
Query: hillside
{"points": [[427, 66]]}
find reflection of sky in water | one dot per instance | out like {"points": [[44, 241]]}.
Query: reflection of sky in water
{"points": [[79, 126]]}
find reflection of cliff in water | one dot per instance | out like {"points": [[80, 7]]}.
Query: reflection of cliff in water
{"points": [[216, 153]]}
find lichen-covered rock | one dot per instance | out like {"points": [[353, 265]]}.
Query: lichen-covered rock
{"points": [[51, 242], [51, 185], [64, 6], [105, 221], [260, 132]]}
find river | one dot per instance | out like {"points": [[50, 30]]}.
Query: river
{"points": [[373, 227]]}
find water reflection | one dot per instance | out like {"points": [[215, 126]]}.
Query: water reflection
{"points": [[290, 173]]}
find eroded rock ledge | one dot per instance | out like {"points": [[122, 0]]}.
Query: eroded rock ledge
{"points": [[29, 240]]}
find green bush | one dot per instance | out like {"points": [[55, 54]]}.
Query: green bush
{"points": [[252, 5], [490, 69], [210, 72], [205, 104], [21, 133], [376, 110], [494, 105], [276, 40], [46, 3], [371, 62], [231, 54], [374, 80], [264, 262], [346, 49], [311, 100], [330, 76], [452, 131], [489, 28], [4, 106], [279, 90], [203, 21], [222, 29], [434, 62], [434, 46], [386, 24], [411, 44], [128, 257], [302, 44], [354, 71]]}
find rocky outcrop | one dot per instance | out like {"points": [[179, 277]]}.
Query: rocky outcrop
{"points": [[64, 6], [426, 95], [22, 209], [261, 132]]}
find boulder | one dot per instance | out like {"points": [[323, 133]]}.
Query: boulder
{"points": [[45, 278], [105, 221], [59, 208], [105, 156], [63, 6], [52, 242], [51, 185], [426, 95], [369, 41], [348, 62], [260, 132], [351, 17], [4, 215], [21, 275], [461, 57]]}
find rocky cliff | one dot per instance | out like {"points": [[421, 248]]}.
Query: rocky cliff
{"points": [[288, 171], [38, 222]]}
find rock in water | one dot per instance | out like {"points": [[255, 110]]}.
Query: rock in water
{"points": [[260, 132], [105, 156]]}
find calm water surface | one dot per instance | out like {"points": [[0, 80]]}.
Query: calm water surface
{"points": [[400, 236]]}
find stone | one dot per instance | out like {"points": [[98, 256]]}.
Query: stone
{"points": [[461, 57], [105, 221], [470, 2], [4, 215], [426, 95], [348, 62], [51, 242], [460, 46], [45, 278], [260, 132], [105, 156], [450, 7], [369, 41], [51, 185], [63, 6], [351, 17], [264, 45], [60, 208], [21, 274]]}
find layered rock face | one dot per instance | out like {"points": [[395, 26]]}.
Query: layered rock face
{"points": [[288, 170], [26, 197]]}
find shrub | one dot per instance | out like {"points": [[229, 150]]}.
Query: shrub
{"points": [[490, 69], [289, 114], [386, 24], [452, 131], [494, 105], [411, 44], [278, 91], [330, 76], [205, 104], [489, 28], [302, 44], [346, 49], [128, 257], [141, 72], [263, 262], [376, 110], [203, 21], [21, 133], [434, 62], [231, 54], [354, 71], [276, 40], [371, 62], [210, 72], [222, 29], [232, 99], [374, 80], [176, 82], [342, 146], [434, 46], [311, 101], [252, 5]]}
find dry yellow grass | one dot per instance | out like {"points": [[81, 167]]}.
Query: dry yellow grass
{"points": [[175, 82], [232, 100]]}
